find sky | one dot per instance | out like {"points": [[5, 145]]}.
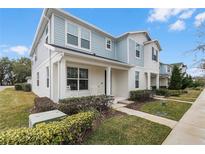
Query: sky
{"points": [[175, 29]]}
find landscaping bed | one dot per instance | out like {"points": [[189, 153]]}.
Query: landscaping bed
{"points": [[167, 109], [117, 128]]}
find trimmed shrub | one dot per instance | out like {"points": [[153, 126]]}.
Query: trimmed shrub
{"points": [[42, 104], [162, 92], [174, 93], [26, 87], [141, 95], [77, 104], [18, 86], [70, 130]]}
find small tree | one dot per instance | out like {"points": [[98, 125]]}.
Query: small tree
{"points": [[176, 79], [187, 81]]}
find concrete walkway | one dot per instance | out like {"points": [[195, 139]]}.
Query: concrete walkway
{"points": [[191, 128], [170, 99], [157, 119], [4, 87]]}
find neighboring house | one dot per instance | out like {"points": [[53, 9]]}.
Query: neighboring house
{"points": [[29, 80], [181, 66], [165, 74], [71, 58]]}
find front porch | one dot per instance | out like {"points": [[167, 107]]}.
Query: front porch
{"points": [[152, 80], [75, 76]]}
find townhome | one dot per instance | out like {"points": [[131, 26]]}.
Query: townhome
{"points": [[165, 75], [72, 58]]}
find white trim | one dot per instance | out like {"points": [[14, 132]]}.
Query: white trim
{"points": [[52, 29], [79, 36], [108, 39], [78, 78], [128, 51]]}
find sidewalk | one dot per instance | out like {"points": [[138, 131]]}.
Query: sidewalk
{"points": [[164, 121], [191, 128]]}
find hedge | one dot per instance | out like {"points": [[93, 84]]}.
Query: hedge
{"points": [[23, 86], [74, 105], [18, 86], [167, 92], [70, 130], [141, 95]]}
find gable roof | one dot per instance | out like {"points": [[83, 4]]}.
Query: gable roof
{"points": [[154, 41], [47, 12]]}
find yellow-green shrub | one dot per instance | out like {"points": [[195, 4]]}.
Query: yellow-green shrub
{"points": [[67, 131]]}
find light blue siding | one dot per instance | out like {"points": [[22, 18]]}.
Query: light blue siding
{"points": [[98, 44], [132, 54], [121, 50], [59, 31]]}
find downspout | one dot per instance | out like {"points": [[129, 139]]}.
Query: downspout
{"points": [[44, 16], [59, 76]]}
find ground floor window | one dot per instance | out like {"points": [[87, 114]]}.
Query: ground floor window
{"points": [[37, 78], [77, 78], [136, 79]]}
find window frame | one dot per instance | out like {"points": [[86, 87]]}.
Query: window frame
{"points": [[37, 79], [47, 77], [137, 50], [154, 54], [106, 40], [78, 78], [79, 36]]}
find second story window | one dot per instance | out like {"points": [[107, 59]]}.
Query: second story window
{"points": [[137, 50], [168, 69], [85, 38], [72, 34], [154, 54], [108, 44]]}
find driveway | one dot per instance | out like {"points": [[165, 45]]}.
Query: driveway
{"points": [[191, 128], [4, 87]]}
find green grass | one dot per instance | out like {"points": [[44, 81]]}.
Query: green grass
{"points": [[131, 130], [14, 108], [190, 96], [171, 110]]}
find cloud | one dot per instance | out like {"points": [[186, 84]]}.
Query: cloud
{"points": [[187, 14], [196, 72], [199, 19], [19, 49], [179, 25], [163, 15]]}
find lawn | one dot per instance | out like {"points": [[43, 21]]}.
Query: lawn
{"points": [[168, 109], [14, 108], [129, 130], [190, 96]]}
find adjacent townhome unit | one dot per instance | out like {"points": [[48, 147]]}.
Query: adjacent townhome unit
{"points": [[181, 66], [72, 58], [165, 74]]}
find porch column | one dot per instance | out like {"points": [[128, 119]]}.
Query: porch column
{"points": [[108, 77], [148, 81], [157, 81]]}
